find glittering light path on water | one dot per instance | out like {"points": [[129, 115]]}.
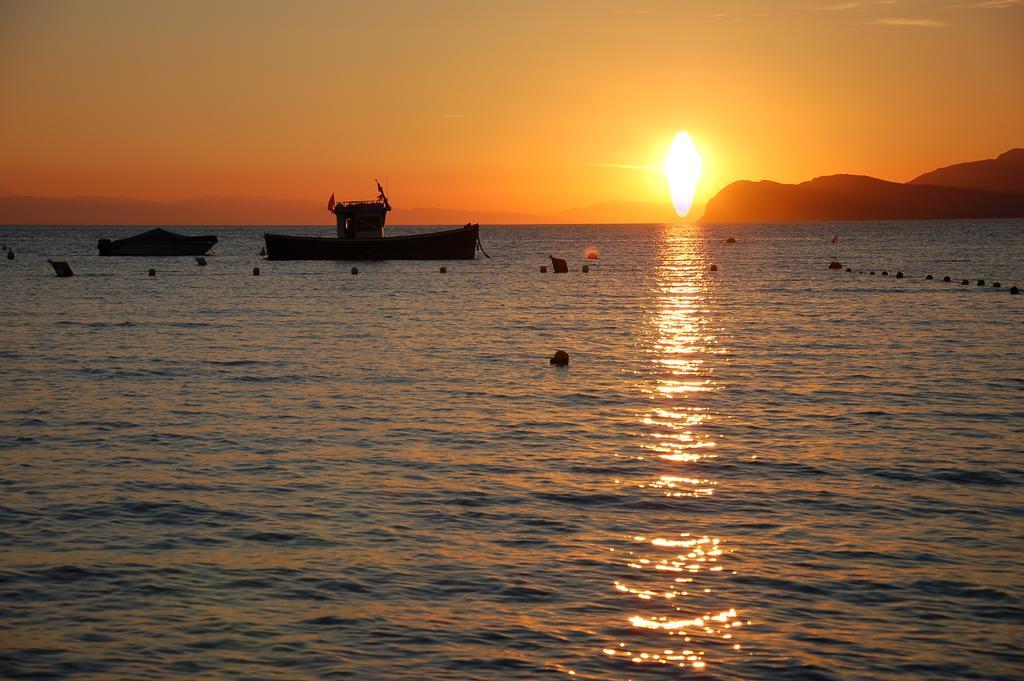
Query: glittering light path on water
{"points": [[679, 611]]}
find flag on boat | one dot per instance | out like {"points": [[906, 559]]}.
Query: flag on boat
{"points": [[835, 239], [330, 203]]}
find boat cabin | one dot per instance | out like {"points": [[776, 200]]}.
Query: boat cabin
{"points": [[362, 219]]}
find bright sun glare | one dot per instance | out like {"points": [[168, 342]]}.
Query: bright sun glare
{"points": [[682, 170]]}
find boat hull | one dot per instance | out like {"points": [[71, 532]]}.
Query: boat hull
{"points": [[193, 245], [453, 244]]}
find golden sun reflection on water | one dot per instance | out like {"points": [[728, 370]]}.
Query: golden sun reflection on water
{"points": [[680, 618]]}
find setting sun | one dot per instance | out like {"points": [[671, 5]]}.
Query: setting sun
{"points": [[682, 169]]}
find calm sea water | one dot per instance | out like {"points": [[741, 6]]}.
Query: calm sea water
{"points": [[769, 471]]}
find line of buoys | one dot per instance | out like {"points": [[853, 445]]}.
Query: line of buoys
{"points": [[560, 358], [899, 274], [966, 282]]}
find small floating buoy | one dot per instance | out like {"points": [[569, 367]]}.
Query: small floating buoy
{"points": [[871, 272], [981, 282], [443, 270], [848, 269], [928, 277], [152, 272], [558, 265], [61, 268], [263, 251], [560, 358], [713, 268], [860, 271], [200, 260], [964, 282], [1014, 290], [592, 254], [899, 275], [255, 271], [730, 240], [355, 270], [997, 285], [543, 269], [946, 278], [585, 269], [885, 273], [10, 254], [835, 265]]}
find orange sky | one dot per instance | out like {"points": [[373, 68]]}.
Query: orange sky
{"points": [[528, 106]]}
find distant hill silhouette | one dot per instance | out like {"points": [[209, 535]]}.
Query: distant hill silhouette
{"points": [[617, 212], [247, 210], [986, 189], [209, 210], [1005, 173]]}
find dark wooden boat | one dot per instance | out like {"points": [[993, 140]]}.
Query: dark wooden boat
{"points": [[157, 242], [361, 237]]}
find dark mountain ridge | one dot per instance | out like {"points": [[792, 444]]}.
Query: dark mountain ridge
{"points": [[993, 188]]}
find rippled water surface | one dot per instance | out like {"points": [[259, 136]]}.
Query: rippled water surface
{"points": [[769, 471]]}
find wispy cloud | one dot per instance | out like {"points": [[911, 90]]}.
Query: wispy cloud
{"points": [[457, 116], [997, 4], [916, 23], [624, 166], [846, 6], [838, 7]]}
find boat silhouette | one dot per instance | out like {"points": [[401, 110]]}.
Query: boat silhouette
{"points": [[361, 237]]}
